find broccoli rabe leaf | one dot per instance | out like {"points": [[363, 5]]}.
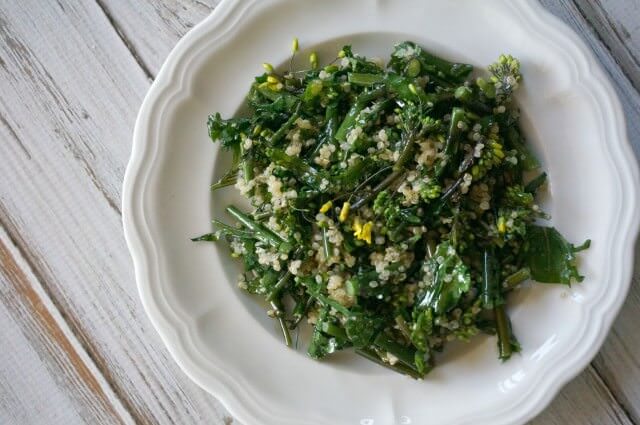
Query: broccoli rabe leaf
{"points": [[228, 132], [358, 63], [422, 328], [449, 279], [550, 257], [320, 345], [405, 54], [361, 329]]}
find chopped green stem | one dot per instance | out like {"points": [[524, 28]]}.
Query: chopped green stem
{"points": [[247, 166], [585, 245], [453, 140], [361, 102], [404, 354], [282, 131], [283, 325], [371, 355], [334, 330], [535, 184], [277, 288], [455, 72], [262, 215], [331, 126], [407, 153], [451, 190], [516, 278], [388, 181], [326, 244], [503, 329], [401, 324], [260, 231], [326, 301], [300, 310], [359, 79], [296, 165], [490, 292], [227, 180]]}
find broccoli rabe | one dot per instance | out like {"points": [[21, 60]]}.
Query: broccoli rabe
{"points": [[391, 207]]}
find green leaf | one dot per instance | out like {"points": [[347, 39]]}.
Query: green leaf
{"points": [[422, 329], [228, 132], [361, 329], [450, 279], [550, 257], [321, 344]]}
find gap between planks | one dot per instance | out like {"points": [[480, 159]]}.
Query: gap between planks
{"points": [[67, 325], [22, 279], [612, 35], [125, 40]]}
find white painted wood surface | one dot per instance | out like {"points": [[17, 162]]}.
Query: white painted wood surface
{"points": [[77, 346]]}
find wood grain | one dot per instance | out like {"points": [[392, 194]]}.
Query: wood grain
{"points": [[152, 28], [70, 93], [577, 406], [41, 359], [616, 24]]}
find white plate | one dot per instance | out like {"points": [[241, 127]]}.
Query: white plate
{"points": [[222, 337]]}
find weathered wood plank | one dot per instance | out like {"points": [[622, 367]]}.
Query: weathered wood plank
{"points": [[576, 406], [619, 360], [41, 360], [70, 94], [617, 25], [151, 29]]}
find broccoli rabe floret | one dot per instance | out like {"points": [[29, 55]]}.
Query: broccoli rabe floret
{"points": [[505, 77]]}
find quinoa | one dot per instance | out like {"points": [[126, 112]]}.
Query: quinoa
{"points": [[389, 204]]}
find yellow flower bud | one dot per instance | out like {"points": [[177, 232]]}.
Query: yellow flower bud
{"points": [[326, 207], [344, 212]]}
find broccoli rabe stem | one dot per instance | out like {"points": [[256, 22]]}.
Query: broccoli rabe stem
{"points": [[361, 102], [328, 249], [297, 166], [330, 128], [371, 355], [227, 180], [516, 278], [490, 291], [359, 79], [536, 183], [278, 310], [388, 181], [503, 329], [405, 354], [451, 146], [280, 284], [282, 131], [260, 231]]}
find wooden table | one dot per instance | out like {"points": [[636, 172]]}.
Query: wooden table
{"points": [[76, 345]]}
